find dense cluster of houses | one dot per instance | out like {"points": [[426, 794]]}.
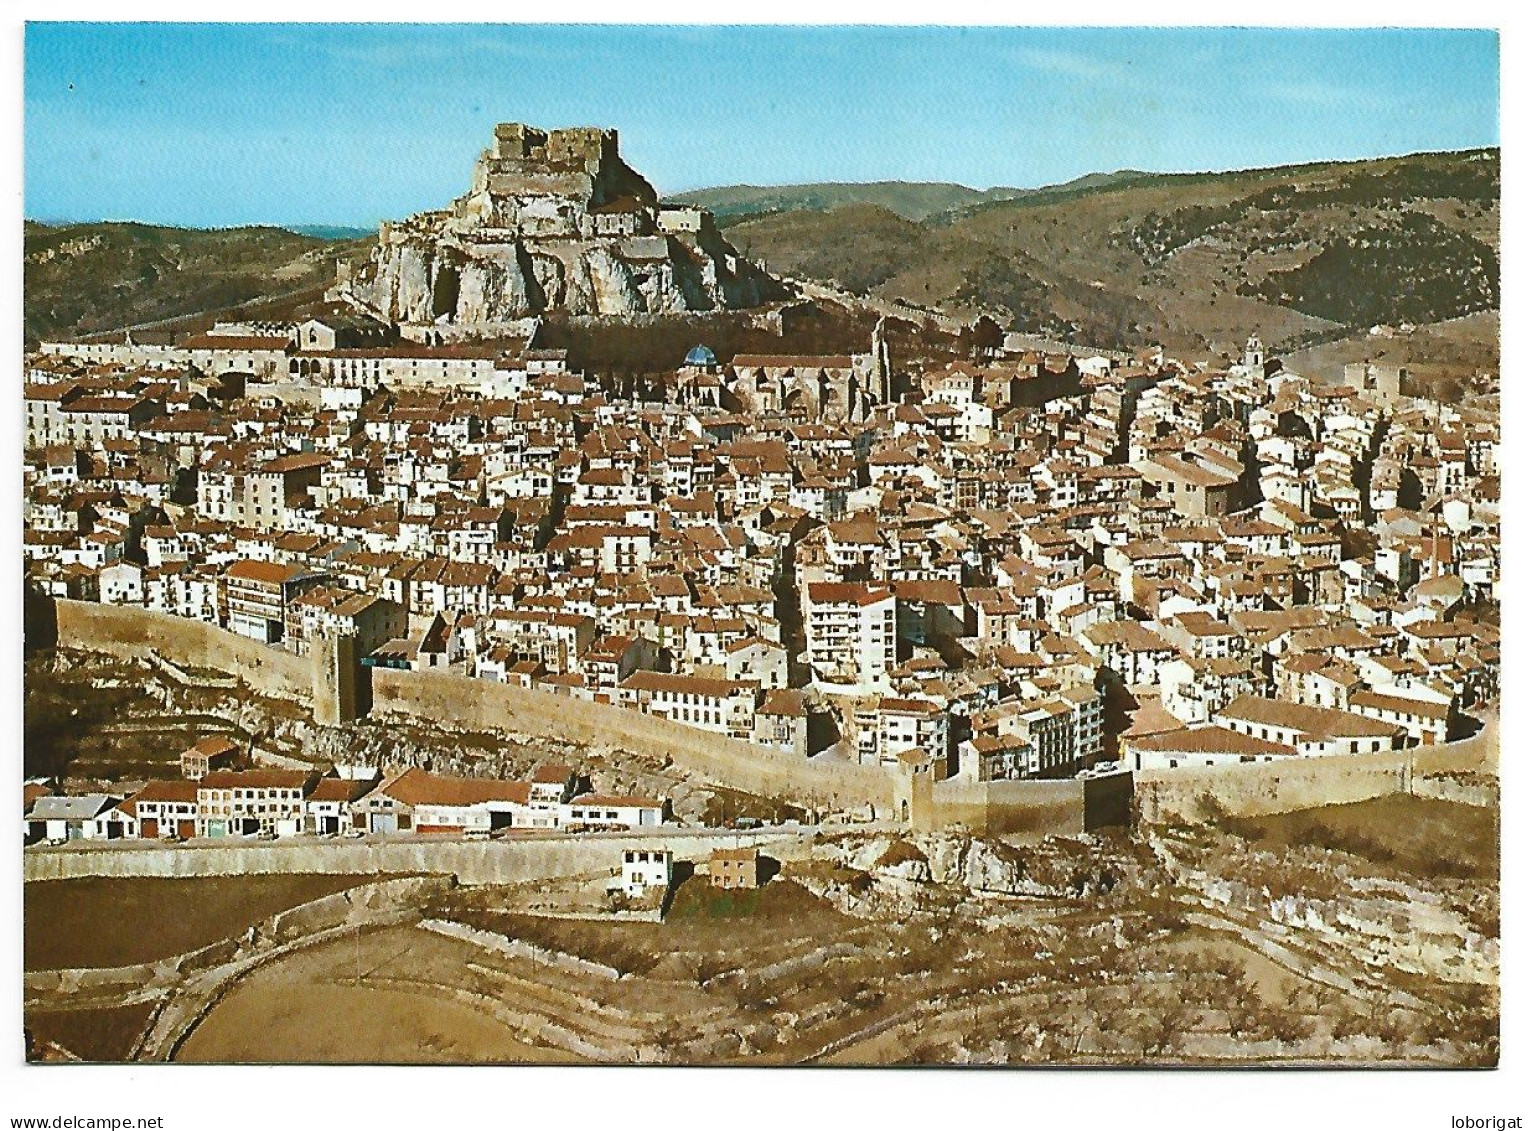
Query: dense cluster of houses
{"points": [[214, 799], [1011, 569]]}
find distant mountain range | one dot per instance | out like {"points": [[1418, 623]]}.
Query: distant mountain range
{"points": [[1298, 254], [332, 231], [909, 199], [1301, 254]]}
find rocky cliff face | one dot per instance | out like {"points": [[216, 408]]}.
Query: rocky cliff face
{"points": [[884, 874], [553, 221]]}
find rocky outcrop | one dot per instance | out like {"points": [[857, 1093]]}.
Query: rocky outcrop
{"points": [[880, 872], [553, 221]]}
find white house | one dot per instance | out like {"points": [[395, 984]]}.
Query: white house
{"points": [[327, 808], [122, 583], [852, 632], [72, 818], [597, 810], [166, 808], [723, 706], [1200, 746], [644, 870], [1311, 730]]}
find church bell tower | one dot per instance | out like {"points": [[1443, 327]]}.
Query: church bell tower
{"points": [[1255, 356]]}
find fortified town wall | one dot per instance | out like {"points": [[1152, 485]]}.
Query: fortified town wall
{"points": [[482, 705], [1036, 808], [473, 704], [1252, 790], [140, 634], [1026, 809]]}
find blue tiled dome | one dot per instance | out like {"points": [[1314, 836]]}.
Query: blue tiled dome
{"points": [[700, 355]]}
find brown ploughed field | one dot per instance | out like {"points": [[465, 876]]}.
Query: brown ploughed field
{"points": [[102, 922]]}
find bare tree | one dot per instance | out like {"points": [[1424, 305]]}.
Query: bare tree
{"points": [[1158, 1024], [1243, 1010], [1112, 1016], [1288, 1025]]}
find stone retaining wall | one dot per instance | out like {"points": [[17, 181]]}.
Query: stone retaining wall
{"points": [[517, 948], [472, 862], [363, 905]]}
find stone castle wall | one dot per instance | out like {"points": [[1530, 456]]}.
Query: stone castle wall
{"points": [[1030, 810], [1020, 808], [475, 704], [140, 634], [1190, 793], [472, 704]]}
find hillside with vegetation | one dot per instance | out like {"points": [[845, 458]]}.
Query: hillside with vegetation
{"points": [[1438, 274], [861, 248], [81, 279], [1299, 254]]}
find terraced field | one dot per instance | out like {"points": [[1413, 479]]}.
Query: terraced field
{"points": [[1170, 945], [381, 998], [71, 924]]}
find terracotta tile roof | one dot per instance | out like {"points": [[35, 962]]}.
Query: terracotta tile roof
{"points": [[419, 787], [339, 789], [1316, 722], [256, 779], [1208, 740], [235, 342], [1418, 707], [272, 573], [908, 707], [847, 593], [213, 745], [173, 790], [298, 461], [789, 361], [617, 801], [784, 702], [684, 684]]}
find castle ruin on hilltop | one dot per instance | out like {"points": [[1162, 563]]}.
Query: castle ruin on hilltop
{"points": [[553, 220]]}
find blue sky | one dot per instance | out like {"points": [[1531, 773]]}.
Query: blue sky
{"points": [[222, 124]]}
